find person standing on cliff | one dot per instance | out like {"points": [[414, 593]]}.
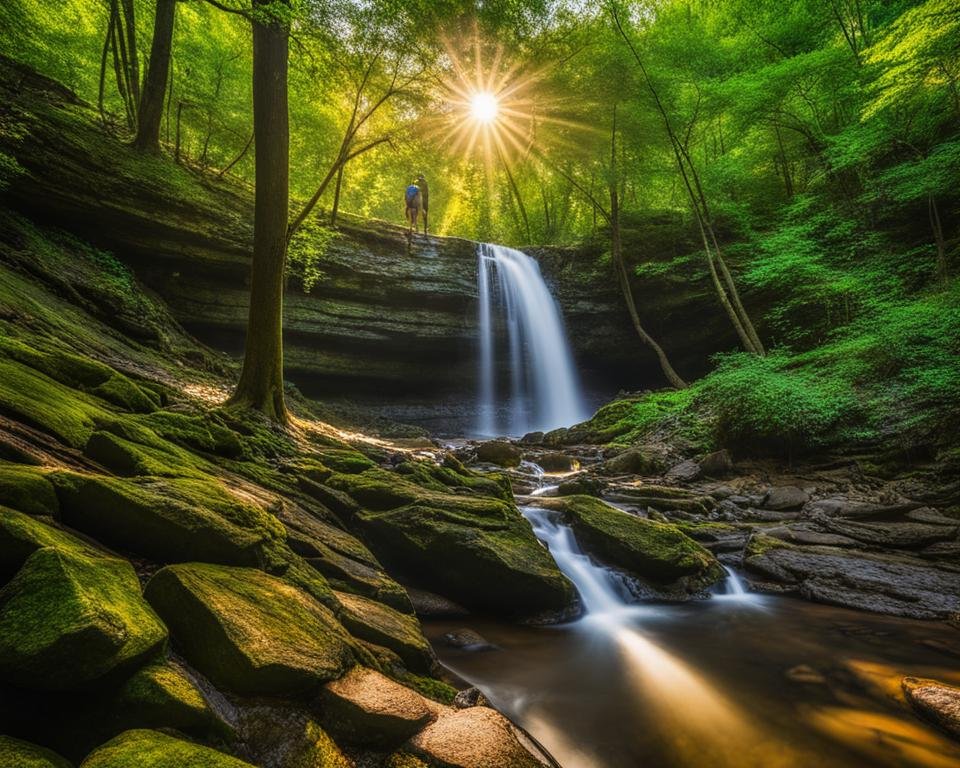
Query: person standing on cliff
{"points": [[424, 199]]}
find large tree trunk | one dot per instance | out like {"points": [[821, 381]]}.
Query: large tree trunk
{"points": [[261, 380], [155, 83]]}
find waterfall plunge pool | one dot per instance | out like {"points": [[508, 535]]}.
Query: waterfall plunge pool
{"points": [[739, 682]]}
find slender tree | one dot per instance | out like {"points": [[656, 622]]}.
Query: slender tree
{"points": [[155, 82], [261, 380]]}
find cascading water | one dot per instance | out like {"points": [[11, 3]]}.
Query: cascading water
{"points": [[543, 389]]}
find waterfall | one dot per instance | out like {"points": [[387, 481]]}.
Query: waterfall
{"points": [[543, 390]]}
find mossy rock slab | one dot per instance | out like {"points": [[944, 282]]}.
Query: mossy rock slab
{"points": [[345, 460], [168, 519], [67, 619], [502, 569], [282, 736], [22, 754], [27, 488], [499, 452], [452, 476], [152, 749], [380, 624], [366, 708], [196, 432], [131, 458], [657, 552], [21, 535], [250, 632]]}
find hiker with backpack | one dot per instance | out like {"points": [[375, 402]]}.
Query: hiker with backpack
{"points": [[414, 201]]}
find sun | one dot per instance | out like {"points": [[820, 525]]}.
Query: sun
{"points": [[484, 107]]}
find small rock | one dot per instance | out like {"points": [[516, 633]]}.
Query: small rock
{"points": [[684, 472], [470, 697], [499, 452], [931, 516], [936, 701], [433, 606], [532, 438], [468, 640], [716, 463], [786, 497], [588, 486]]}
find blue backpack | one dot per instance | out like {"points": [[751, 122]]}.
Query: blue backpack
{"points": [[412, 191]]}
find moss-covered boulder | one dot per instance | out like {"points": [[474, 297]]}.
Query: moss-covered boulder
{"points": [[377, 623], [249, 632], [67, 619], [656, 552], [22, 754], [499, 452], [27, 488], [366, 708], [482, 563], [201, 432], [21, 535], [162, 695], [284, 736], [152, 749], [475, 549], [117, 450], [167, 519]]}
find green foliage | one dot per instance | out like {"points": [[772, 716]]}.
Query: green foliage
{"points": [[307, 249]]}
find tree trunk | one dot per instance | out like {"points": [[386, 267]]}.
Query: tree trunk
{"points": [[176, 149], [336, 197], [101, 89], [261, 380], [937, 227], [238, 158], [132, 59], [616, 250], [155, 83]]}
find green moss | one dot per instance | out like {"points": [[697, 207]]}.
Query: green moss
{"points": [[444, 478], [502, 569], [21, 754], [200, 433], [760, 544], [656, 551], [345, 460], [137, 451], [168, 520], [27, 488], [22, 535], [68, 619], [377, 623], [41, 402], [249, 632], [82, 373], [151, 749], [430, 687]]}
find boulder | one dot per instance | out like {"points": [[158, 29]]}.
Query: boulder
{"points": [[785, 497], [27, 489], [152, 749], [281, 736], [936, 701], [475, 737], [653, 551], [168, 520], [428, 605], [363, 707], [67, 619], [380, 624], [499, 452], [22, 754], [558, 462], [684, 472], [22, 535], [588, 486], [894, 585], [634, 461], [477, 550], [717, 463], [249, 632], [892, 535]]}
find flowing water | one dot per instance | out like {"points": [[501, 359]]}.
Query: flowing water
{"points": [[738, 681], [534, 385]]}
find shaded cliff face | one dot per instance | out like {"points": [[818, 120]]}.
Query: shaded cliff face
{"points": [[389, 322]]}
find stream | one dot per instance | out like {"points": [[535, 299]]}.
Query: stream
{"points": [[738, 680]]}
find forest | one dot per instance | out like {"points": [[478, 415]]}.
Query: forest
{"points": [[638, 447]]}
